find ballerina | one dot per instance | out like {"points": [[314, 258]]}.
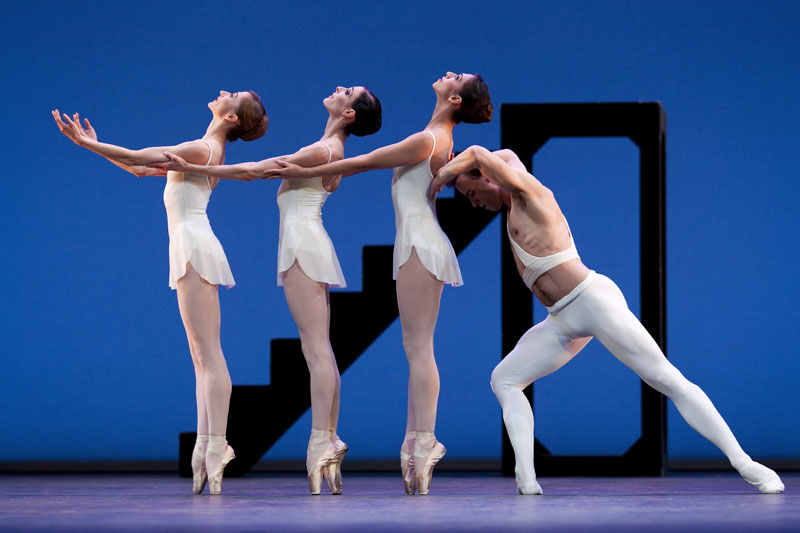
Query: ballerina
{"points": [[198, 264]]}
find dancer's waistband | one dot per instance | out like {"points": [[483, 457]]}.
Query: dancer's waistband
{"points": [[574, 293]]}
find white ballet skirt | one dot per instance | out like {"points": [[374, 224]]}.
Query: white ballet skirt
{"points": [[302, 236], [191, 239], [417, 226]]}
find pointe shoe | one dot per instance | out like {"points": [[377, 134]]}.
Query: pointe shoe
{"points": [[531, 488], [199, 473], [215, 477], [316, 472], [333, 472], [409, 473], [425, 465], [407, 466], [763, 478]]}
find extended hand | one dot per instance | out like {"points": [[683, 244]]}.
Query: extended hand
{"points": [[286, 170], [88, 130], [71, 127], [443, 177]]}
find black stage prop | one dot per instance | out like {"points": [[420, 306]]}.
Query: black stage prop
{"points": [[261, 414]]}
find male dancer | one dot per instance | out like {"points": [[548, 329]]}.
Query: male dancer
{"points": [[581, 304]]}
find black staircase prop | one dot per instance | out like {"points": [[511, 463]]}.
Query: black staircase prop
{"points": [[524, 129], [260, 414]]}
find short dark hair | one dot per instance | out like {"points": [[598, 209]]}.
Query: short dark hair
{"points": [[368, 115], [474, 173], [252, 122], [476, 104]]}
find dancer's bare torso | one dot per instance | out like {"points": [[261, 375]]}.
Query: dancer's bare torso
{"points": [[536, 224]]}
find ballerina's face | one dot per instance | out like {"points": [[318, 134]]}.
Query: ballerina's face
{"points": [[342, 99], [228, 103], [451, 83]]}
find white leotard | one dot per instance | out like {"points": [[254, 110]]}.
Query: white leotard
{"points": [[417, 225], [191, 239], [536, 266], [302, 236]]}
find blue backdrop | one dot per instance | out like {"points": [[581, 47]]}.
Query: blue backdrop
{"points": [[94, 362]]}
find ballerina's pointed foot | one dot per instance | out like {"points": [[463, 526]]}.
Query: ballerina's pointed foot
{"points": [[215, 475], [531, 488], [424, 467], [763, 478], [199, 473], [199, 481], [407, 463], [317, 472], [409, 473], [333, 472]]}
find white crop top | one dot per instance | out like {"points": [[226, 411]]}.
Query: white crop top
{"points": [[536, 266]]}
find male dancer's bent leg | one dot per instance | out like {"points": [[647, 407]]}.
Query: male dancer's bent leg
{"points": [[540, 351]]}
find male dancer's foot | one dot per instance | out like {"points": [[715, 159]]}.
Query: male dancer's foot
{"points": [[530, 488], [763, 478]]}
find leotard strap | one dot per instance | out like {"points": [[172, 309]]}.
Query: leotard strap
{"points": [[330, 152], [210, 155], [433, 149], [210, 151]]}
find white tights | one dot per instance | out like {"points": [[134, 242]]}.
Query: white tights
{"points": [[309, 302], [198, 302], [418, 296], [599, 311]]}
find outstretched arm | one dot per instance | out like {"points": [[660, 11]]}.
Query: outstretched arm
{"points": [[410, 150], [88, 130], [121, 156], [502, 167], [309, 156]]}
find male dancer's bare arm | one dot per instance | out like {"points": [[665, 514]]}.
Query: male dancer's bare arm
{"points": [[410, 150], [502, 168], [511, 158], [308, 156]]}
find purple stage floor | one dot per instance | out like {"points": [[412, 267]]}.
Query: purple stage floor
{"points": [[150, 502]]}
